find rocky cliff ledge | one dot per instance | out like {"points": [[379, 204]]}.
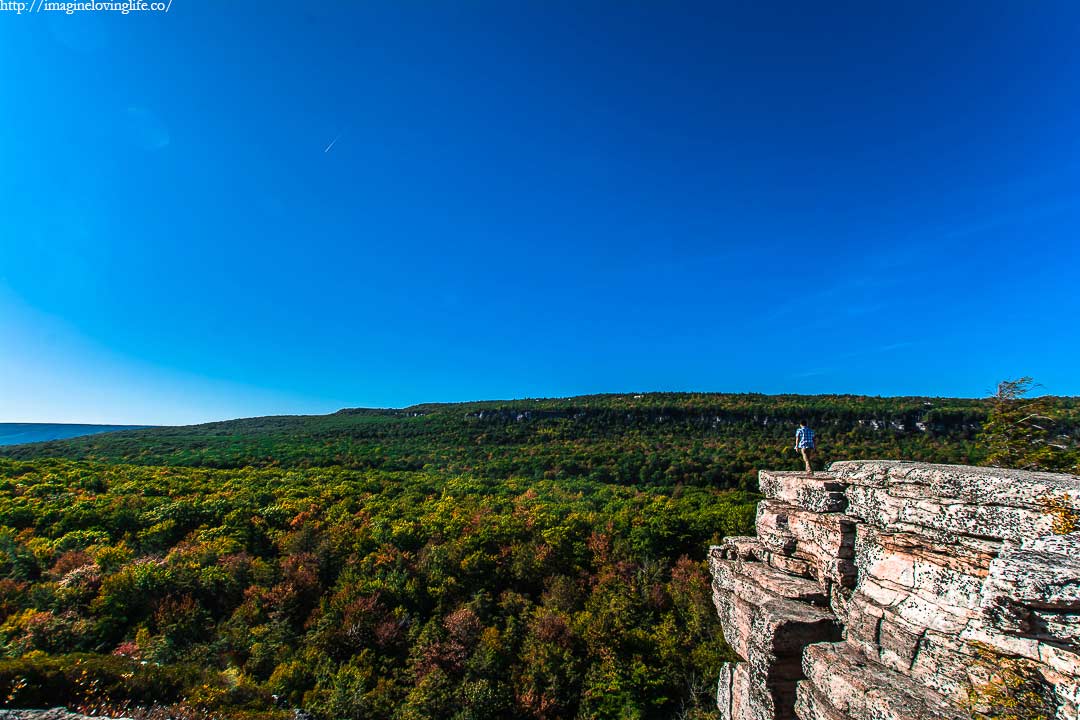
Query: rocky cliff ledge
{"points": [[903, 591]]}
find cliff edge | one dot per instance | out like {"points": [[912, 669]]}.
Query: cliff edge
{"points": [[892, 590]]}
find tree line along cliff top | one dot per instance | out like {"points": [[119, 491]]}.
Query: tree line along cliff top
{"points": [[654, 438]]}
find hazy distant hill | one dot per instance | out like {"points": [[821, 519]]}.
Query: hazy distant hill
{"points": [[19, 433]]}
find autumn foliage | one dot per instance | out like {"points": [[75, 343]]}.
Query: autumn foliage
{"points": [[357, 594]]}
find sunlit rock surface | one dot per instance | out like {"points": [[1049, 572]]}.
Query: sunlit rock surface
{"points": [[51, 714], [888, 590]]}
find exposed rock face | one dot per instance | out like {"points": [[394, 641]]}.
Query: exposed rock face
{"points": [[888, 590], [51, 714]]}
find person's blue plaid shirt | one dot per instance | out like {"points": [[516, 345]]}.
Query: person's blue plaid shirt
{"points": [[804, 438]]}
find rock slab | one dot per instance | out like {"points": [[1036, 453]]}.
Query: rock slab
{"points": [[879, 589]]}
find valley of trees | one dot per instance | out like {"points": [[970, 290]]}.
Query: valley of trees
{"points": [[530, 559]]}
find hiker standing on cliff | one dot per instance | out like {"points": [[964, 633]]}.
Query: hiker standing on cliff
{"points": [[804, 443]]}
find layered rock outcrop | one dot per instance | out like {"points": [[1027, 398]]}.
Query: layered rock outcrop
{"points": [[890, 590]]}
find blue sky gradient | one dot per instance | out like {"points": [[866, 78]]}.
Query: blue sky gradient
{"points": [[532, 199]]}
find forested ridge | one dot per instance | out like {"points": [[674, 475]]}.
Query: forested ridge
{"points": [[519, 559], [699, 439]]}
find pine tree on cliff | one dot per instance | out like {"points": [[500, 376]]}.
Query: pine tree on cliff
{"points": [[1018, 432]]}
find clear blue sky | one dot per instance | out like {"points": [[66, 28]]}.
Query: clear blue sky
{"points": [[532, 199]]}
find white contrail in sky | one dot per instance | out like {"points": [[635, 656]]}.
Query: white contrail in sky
{"points": [[331, 144]]}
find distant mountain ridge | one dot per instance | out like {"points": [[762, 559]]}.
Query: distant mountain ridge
{"points": [[661, 438], [22, 433]]}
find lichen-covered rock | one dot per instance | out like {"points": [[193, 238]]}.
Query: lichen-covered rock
{"points": [[738, 548], [959, 499], [772, 528], [1030, 606], [809, 706], [821, 492], [931, 586], [731, 691], [760, 583], [767, 617], [1034, 590], [772, 621], [937, 660], [842, 683], [967, 483], [57, 713], [740, 696], [790, 565], [883, 508], [938, 575], [824, 541]]}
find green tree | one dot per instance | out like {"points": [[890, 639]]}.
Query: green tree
{"points": [[1018, 432]]}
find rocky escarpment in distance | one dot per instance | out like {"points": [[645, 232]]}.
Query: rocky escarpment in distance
{"points": [[889, 590]]}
